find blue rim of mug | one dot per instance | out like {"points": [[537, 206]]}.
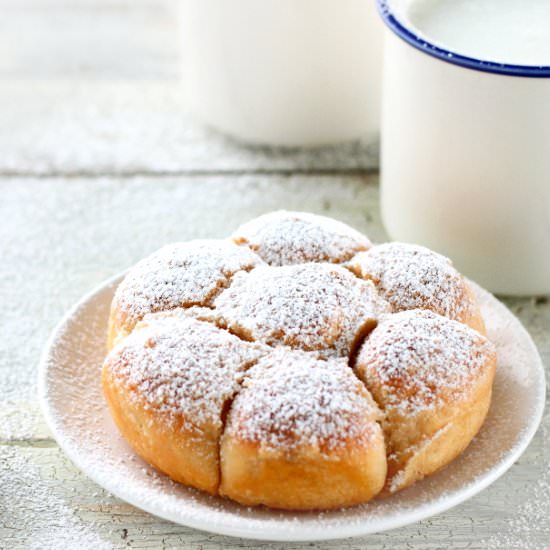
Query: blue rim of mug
{"points": [[420, 43]]}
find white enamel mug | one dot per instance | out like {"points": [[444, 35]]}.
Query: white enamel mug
{"points": [[284, 72], [466, 158]]}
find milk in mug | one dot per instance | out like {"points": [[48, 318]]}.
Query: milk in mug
{"points": [[506, 31]]}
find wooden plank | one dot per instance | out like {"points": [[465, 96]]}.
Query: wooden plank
{"points": [[62, 237], [71, 127], [21, 420], [51, 504]]}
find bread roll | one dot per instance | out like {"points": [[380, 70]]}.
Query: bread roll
{"points": [[413, 277], [288, 238], [312, 307], [302, 434], [432, 377], [178, 275], [167, 385]]}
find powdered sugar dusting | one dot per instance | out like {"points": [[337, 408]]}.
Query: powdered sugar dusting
{"points": [[293, 399], [285, 238], [181, 368], [77, 414], [411, 276], [180, 275], [419, 358], [313, 307], [54, 524], [194, 312]]}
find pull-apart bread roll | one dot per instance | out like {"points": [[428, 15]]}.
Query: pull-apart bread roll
{"points": [[295, 365], [302, 434], [413, 277], [432, 377], [286, 238], [167, 385], [178, 275]]}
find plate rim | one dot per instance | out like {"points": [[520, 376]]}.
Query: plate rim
{"points": [[306, 533]]}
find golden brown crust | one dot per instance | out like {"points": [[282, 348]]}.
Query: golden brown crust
{"points": [[233, 376], [307, 482], [471, 315], [181, 451], [441, 448], [167, 385], [302, 434], [432, 377]]}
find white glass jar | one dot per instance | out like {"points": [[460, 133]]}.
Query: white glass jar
{"points": [[284, 72], [466, 158]]}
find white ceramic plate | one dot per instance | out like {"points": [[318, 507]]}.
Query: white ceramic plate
{"points": [[78, 417]]}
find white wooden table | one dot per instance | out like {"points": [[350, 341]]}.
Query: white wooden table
{"points": [[99, 165]]}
